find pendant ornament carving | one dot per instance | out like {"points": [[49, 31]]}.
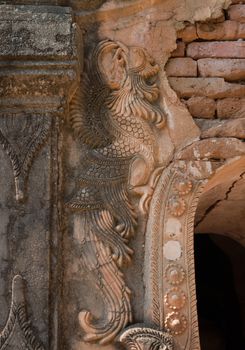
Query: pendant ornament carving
{"points": [[21, 135], [17, 334], [113, 115], [143, 338]]}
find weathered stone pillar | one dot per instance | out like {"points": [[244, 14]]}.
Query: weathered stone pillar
{"points": [[39, 68]]}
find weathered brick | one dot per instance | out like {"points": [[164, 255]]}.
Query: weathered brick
{"points": [[181, 67], [180, 50], [238, 1], [229, 49], [231, 108], [213, 148], [188, 34], [201, 107], [230, 69], [209, 87], [237, 13], [226, 128], [228, 30]]}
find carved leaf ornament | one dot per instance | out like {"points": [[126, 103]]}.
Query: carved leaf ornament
{"points": [[17, 333], [21, 135], [113, 113]]}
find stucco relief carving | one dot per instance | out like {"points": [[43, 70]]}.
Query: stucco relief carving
{"points": [[21, 135], [17, 333], [169, 257], [143, 338], [114, 114]]}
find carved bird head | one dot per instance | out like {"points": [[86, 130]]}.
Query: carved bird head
{"points": [[130, 73], [116, 61]]}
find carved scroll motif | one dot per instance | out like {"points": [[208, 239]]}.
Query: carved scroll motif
{"points": [[114, 115], [17, 334], [21, 135], [143, 338]]}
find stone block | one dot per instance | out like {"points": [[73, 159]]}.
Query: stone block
{"points": [[40, 52], [201, 107], [230, 69], [237, 13], [216, 49], [180, 50], [228, 30], [231, 108], [209, 87], [226, 128], [36, 31], [188, 34], [213, 148], [181, 67]]}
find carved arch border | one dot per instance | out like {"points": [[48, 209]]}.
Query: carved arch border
{"points": [[169, 278]]}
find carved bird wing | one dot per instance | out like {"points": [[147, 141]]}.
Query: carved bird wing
{"points": [[88, 118]]}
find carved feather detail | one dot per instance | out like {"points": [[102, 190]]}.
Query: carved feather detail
{"points": [[113, 114]]}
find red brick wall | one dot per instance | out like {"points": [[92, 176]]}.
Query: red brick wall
{"points": [[207, 70]]}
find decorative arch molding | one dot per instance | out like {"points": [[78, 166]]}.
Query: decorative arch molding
{"points": [[169, 271]]}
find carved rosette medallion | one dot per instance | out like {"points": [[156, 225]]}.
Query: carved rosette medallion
{"points": [[143, 338], [114, 114], [176, 323], [175, 298], [183, 186], [17, 333], [176, 206], [174, 274], [21, 136]]}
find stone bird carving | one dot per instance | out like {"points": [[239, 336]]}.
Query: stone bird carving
{"points": [[113, 114]]}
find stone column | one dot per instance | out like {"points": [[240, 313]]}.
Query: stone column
{"points": [[39, 70]]}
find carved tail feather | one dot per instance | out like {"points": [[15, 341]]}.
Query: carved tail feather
{"points": [[99, 259]]}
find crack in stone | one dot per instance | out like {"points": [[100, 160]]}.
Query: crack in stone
{"points": [[216, 203]]}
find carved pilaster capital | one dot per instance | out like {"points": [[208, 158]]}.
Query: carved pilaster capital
{"points": [[39, 56], [140, 337]]}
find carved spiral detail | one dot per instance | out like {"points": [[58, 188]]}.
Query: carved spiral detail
{"points": [[176, 323]]}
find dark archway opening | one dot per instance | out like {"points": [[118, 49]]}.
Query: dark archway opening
{"points": [[220, 283]]}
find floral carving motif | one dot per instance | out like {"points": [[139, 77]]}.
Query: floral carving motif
{"points": [[21, 136], [143, 338], [113, 114], [17, 334]]}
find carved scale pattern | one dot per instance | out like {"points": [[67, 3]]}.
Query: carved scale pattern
{"points": [[113, 114], [17, 334], [21, 135]]}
